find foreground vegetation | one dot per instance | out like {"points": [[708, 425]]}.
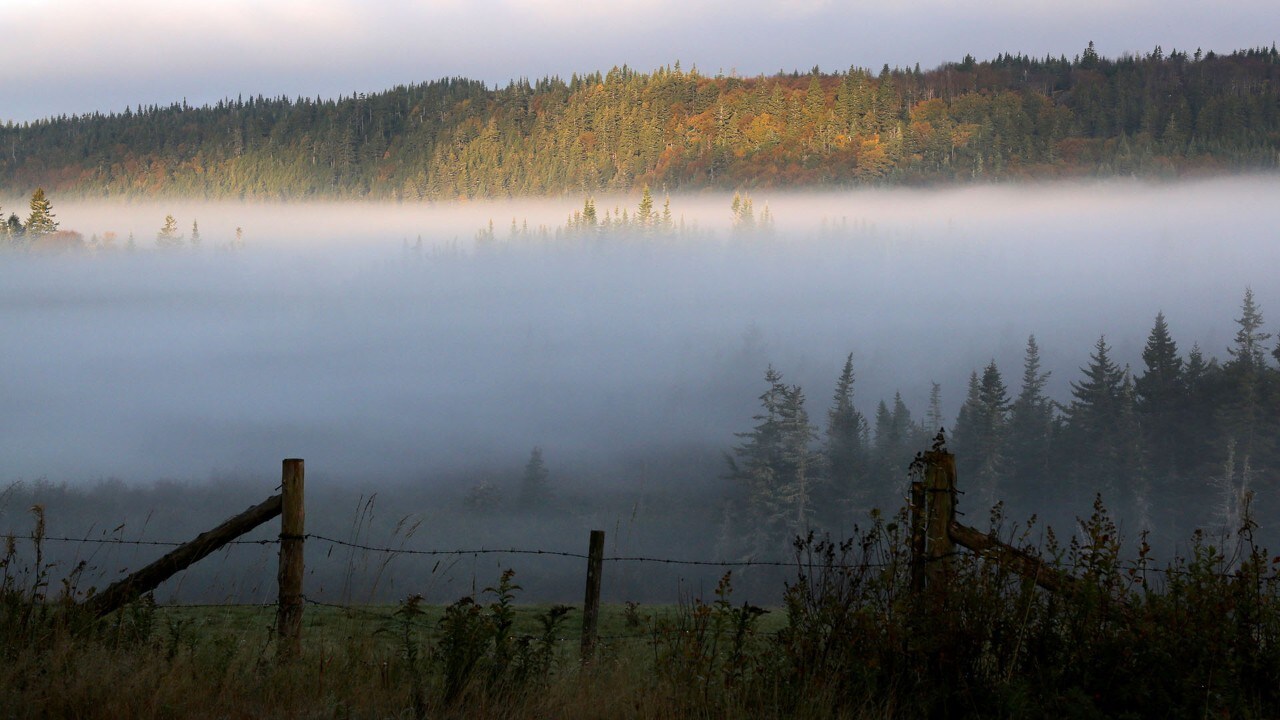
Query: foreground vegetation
{"points": [[1197, 637]]}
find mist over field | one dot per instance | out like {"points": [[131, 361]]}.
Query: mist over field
{"points": [[333, 335], [326, 339]]}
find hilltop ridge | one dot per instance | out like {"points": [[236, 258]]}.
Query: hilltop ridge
{"points": [[1011, 117]]}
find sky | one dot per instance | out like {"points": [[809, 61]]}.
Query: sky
{"points": [[79, 56]]}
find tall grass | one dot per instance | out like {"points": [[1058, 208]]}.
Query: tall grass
{"points": [[1198, 636]]}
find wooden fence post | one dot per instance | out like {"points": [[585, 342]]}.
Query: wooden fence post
{"points": [[940, 486], [292, 530], [591, 603], [917, 536]]}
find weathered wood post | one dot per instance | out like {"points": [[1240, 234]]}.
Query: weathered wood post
{"points": [[917, 536], [591, 603], [940, 485], [292, 531], [148, 578]]}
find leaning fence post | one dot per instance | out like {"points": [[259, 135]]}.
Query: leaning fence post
{"points": [[940, 484], [591, 603], [292, 517], [917, 536]]}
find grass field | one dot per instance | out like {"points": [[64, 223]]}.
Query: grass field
{"points": [[1198, 637]]}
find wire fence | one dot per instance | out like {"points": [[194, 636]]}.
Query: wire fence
{"points": [[1129, 567]]}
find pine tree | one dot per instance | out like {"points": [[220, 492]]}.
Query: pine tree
{"points": [[1093, 419], [1161, 405], [1248, 351], [195, 234], [934, 421], [644, 214], [891, 451], [1245, 414], [774, 468], [40, 221], [168, 237], [845, 446], [535, 488], [980, 436], [1030, 436]]}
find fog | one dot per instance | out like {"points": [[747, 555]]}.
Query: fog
{"points": [[332, 335]]}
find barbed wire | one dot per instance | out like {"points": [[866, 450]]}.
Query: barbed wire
{"points": [[200, 606], [1128, 567], [159, 543], [473, 551], [579, 556]]}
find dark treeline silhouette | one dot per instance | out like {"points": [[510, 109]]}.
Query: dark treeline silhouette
{"points": [[1180, 444], [1014, 116]]}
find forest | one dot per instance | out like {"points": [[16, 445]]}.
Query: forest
{"points": [[1183, 443], [1013, 117]]}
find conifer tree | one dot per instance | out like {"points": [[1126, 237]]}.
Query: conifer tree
{"points": [[1030, 436], [1093, 422], [535, 489], [934, 421], [845, 445], [168, 236], [40, 221], [1245, 416], [980, 438], [774, 468], [1249, 349], [644, 214], [1160, 401]]}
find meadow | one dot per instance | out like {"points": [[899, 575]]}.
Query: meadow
{"points": [[1195, 637]]}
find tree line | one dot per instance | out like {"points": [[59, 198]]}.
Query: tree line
{"points": [[1010, 117], [42, 232], [1184, 442]]}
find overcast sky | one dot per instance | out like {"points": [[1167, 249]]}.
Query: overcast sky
{"points": [[75, 56]]}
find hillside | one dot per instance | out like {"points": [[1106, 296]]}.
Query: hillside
{"points": [[1012, 117]]}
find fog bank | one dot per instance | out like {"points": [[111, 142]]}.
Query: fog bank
{"points": [[331, 336]]}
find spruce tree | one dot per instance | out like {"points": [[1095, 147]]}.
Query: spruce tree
{"points": [[1160, 398], [1093, 419], [1030, 437], [535, 490], [1249, 349], [934, 421], [775, 471], [40, 221], [1245, 417], [644, 214], [980, 435], [845, 448], [168, 236]]}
